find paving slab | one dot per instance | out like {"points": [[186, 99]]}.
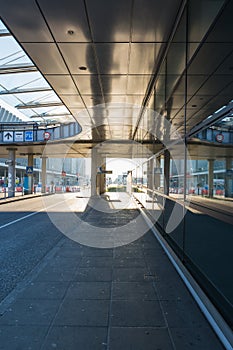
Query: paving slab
{"points": [[128, 297]]}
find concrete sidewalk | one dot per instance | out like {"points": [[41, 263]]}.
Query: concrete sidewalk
{"points": [[128, 297]]}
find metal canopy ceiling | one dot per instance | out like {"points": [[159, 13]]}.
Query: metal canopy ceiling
{"points": [[107, 52]]}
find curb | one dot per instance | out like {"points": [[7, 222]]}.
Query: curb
{"points": [[21, 198]]}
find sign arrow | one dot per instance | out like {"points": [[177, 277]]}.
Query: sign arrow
{"points": [[8, 136]]}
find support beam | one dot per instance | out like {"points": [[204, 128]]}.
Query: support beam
{"points": [[166, 172], [157, 173], [102, 182], [129, 182], [211, 177], [11, 172], [24, 91], [43, 174], [30, 177], [229, 179], [98, 183], [38, 105], [150, 174], [93, 171]]}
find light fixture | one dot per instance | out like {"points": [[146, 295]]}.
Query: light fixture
{"points": [[70, 32], [82, 68]]}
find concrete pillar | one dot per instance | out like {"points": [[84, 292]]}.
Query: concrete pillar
{"points": [[229, 179], [11, 172], [98, 181], [43, 174], [166, 172], [93, 171], [210, 178], [30, 176], [102, 181], [157, 174], [150, 174], [129, 182]]}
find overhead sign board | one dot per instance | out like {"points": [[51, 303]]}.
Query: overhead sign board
{"points": [[29, 170], [8, 136], [19, 136], [29, 135]]}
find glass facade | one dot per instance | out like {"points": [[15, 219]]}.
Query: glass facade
{"points": [[188, 186]]}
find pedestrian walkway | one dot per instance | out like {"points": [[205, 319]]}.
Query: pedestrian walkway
{"points": [[126, 297]]}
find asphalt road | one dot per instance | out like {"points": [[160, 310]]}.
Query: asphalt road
{"points": [[26, 236]]}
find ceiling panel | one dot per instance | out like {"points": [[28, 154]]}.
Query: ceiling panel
{"points": [[210, 57], [62, 84], [176, 101], [143, 57], [110, 20], [176, 113], [47, 57], [82, 116], [227, 66], [88, 84], [198, 101], [222, 31], [215, 84], [153, 20], [134, 99], [114, 84], [194, 82], [112, 58], [72, 100], [227, 91], [115, 99], [79, 55], [70, 27], [137, 84], [27, 28], [93, 100]]}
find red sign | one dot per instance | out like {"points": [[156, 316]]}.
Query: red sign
{"points": [[46, 135]]}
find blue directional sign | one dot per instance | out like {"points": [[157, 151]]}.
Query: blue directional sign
{"points": [[29, 135], [29, 170], [7, 136]]}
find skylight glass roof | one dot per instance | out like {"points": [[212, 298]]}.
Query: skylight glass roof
{"points": [[23, 87]]}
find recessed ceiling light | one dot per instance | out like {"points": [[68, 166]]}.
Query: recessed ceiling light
{"points": [[82, 68], [70, 32]]}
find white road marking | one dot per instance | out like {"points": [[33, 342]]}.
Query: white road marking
{"points": [[31, 214]]}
